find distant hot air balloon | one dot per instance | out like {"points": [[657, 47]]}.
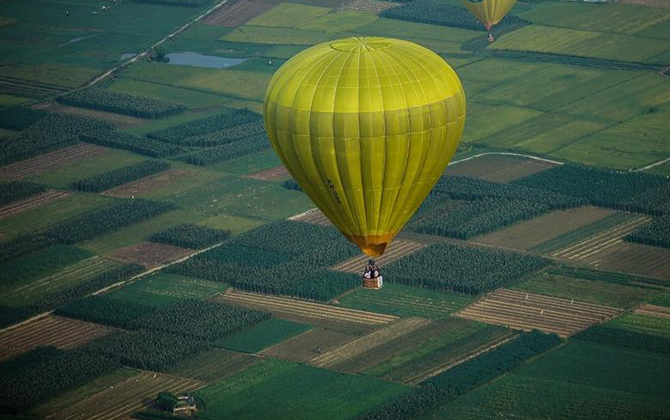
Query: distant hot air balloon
{"points": [[489, 12], [366, 126]]}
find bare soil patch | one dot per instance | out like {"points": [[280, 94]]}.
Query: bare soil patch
{"points": [[528, 311], [237, 13], [498, 168], [215, 365], [54, 331], [653, 310], [305, 347], [313, 216], [149, 254], [127, 397], [49, 161], [148, 184], [120, 121], [31, 202], [530, 233], [270, 174]]}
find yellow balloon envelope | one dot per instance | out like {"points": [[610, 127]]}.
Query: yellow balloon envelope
{"points": [[366, 126], [489, 12]]}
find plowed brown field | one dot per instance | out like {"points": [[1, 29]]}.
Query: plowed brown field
{"points": [[313, 216], [149, 254], [147, 184], [527, 311], [305, 347], [237, 13], [270, 174], [498, 168], [50, 330], [31, 202], [398, 249]]}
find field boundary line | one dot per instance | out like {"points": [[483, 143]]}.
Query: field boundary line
{"points": [[513, 335], [556, 162], [653, 165]]}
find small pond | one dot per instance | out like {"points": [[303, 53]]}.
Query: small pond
{"points": [[190, 58]]}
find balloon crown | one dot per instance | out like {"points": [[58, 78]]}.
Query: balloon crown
{"points": [[360, 44]]}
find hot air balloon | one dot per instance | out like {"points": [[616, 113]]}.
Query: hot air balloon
{"points": [[489, 12], [366, 126]]}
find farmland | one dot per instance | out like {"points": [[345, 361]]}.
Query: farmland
{"points": [[151, 239]]}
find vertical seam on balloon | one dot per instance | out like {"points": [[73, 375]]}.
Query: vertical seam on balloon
{"points": [[381, 94], [311, 148], [409, 121]]}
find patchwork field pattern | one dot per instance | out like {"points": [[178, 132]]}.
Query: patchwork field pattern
{"points": [[150, 254], [31, 202], [498, 168], [306, 312], [48, 161], [398, 249], [305, 347], [336, 357], [214, 365], [127, 397], [56, 331], [237, 13], [527, 311], [147, 184], [530, 233]]}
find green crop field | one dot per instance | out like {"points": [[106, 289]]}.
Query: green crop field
{"points": [[345, 20], [643, 323], [455, 339], [162, 289], [401, 300], [261, 336], [622, 19], [40, 217], [485, 120], [578, 380], [272, 35], [187, 97], [406, 29], [609, 46], [256, 162], [313, 393], [235, 225], [289, 15], [594, 291]]}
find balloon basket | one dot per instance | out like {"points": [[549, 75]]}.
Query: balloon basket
{"points": [[373, 284]]}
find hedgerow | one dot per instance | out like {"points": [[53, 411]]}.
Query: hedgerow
{"points": [[149, 350], [571, 60], [211, 321], [228, 151], [613, 336], [16, 190], [190, 236], [445, 387], [291, 184], [116, 177], [40, 263], [449, 267], [44, 373], [141, 145], [105, 310], [96, 223], [440, 13], [121, 103], [288, 258], [19, 118], [619, 190], [52, 132], [24, 245], [98, 282], [655, 233], [178, 133], [228, 135]]}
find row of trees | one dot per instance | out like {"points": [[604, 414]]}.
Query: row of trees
{"points": [[610, 277], [449, 267], [19, 118], [656, 233], [52, 132], [140, 145], [190, 236], [440, 13], [17, 190], [571, 60], [228, 151], [105, 310], [625, 338], [121, 103], [116, 177], [182, 132], [447, 386], [630, 191]]}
